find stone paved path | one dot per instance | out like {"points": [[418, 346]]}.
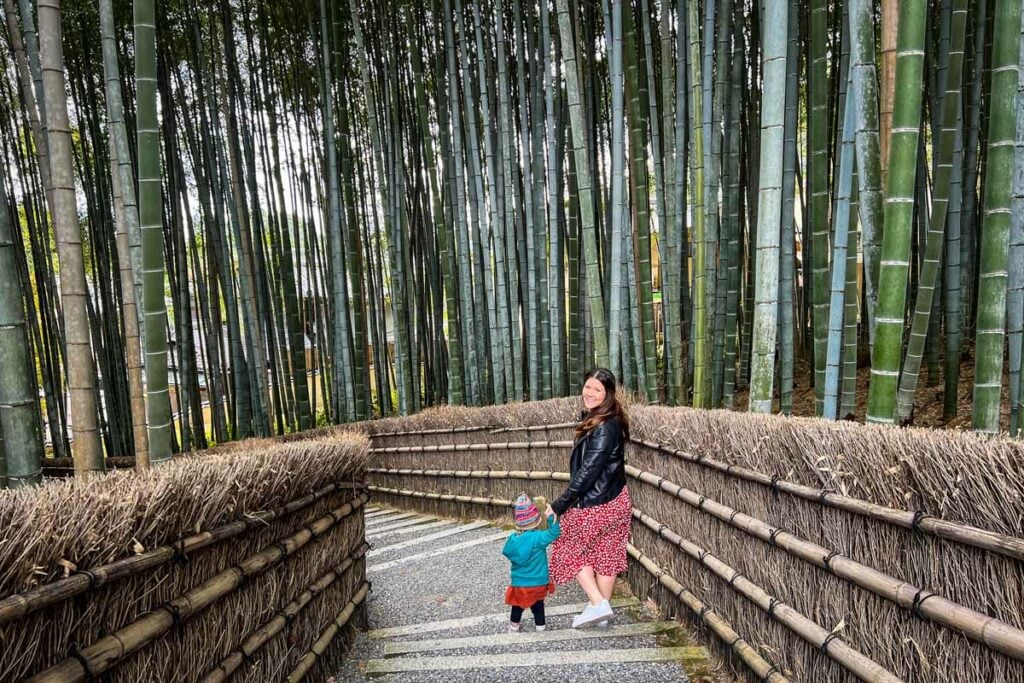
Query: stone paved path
{"points": [[437, 613]]}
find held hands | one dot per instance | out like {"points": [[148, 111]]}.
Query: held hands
{"points": [[548, 512]]}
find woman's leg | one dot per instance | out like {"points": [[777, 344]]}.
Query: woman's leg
{"points": [[588, 581], [605, 584]]}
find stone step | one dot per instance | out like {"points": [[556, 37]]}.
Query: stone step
{"points": [[380, 566], [428, 538], [409, 526], [380, 667], [387, 519], [645, 628], [496, 617]]}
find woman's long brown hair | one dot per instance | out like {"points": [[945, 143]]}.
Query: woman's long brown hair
{"points": [[609, 408]]}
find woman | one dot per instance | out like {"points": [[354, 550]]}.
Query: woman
{"points": [[595, 510]]}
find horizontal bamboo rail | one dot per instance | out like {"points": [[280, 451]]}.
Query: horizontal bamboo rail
{"points": [[324, 641], [989, 631], [439, 430], [16, 606], [456, 448], [854, 661], [721, 628], [719, 625], [444, 497], [108, 651], [475, 474], [116, 462], [925, 523], [536, 428], [261, 636]]}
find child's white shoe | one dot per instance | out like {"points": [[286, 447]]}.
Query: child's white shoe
{"points": [[513, 627], [540, 628]]}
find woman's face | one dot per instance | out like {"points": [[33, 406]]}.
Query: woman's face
{"points": [[593, 393]]}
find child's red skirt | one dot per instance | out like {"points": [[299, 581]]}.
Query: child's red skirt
{"points": [[526, 596]]}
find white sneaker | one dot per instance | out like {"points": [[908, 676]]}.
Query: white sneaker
{"points": [[592, 614], [540, 628]]}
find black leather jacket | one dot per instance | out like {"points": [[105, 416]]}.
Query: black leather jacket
{"points": [[597, 468]]}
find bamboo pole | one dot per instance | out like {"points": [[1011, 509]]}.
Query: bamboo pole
{"points": [[953, 531], [107, 652], [261, 636], [476, 474], [721, 628], [16, 606], [322, 643], [984, 629], [444, 497], [456, 448], [854, 661]]}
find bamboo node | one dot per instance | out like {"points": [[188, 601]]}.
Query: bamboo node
{"points": [[732, 581], [704, 611], [90, 575], [179, 556], [732, 516], [919, 600], [84, 663], [700, 503], [828, 558], [772, 604], [771, 672], [701, 555], [773, 537], [919, 516], [735, 640], [828, 641], [774, 483], [172, 609]]}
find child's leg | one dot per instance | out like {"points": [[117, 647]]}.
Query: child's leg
{"points": [[516, 617], [538, 614]]}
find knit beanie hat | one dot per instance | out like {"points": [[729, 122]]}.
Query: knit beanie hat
{"points": [[526, 514]]}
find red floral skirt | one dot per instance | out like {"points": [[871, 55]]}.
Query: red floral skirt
{"points": [[593, 537], [525, 597]]}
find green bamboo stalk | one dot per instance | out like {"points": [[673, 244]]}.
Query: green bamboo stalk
{"points": [[899, 211], [991, 326], [770, 207]]}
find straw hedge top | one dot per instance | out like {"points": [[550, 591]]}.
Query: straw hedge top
{"points": [[956, 475], [79, 523]]}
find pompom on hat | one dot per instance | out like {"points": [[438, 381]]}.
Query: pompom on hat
{"points": [[526, 513]]}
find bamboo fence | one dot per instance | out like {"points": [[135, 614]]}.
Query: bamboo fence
{"points": [[899, 551], [255, 531]]}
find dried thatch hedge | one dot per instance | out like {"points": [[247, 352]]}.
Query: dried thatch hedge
{"points": [[112, 576], [921, 574]]}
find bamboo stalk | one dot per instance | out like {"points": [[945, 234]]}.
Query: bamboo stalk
{"points": [[105, 653], [449, 448], [261, 636], [324, 641], [445, 497], [854, 661], [16, 606], [535, 475], [984, 629], [721, 628], [953, 531]]}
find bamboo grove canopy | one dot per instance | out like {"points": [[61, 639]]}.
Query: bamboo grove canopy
{"points": [[238, 218]]}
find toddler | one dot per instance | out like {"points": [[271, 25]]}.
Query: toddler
{"points": [[526, 549]]}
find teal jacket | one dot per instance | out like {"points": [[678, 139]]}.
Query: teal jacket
{"points": [[527, 551]]}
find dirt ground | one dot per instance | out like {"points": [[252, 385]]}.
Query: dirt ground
{"points": [[928, 401]]}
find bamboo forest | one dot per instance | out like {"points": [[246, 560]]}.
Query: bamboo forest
{"points": [[233, 218]]}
